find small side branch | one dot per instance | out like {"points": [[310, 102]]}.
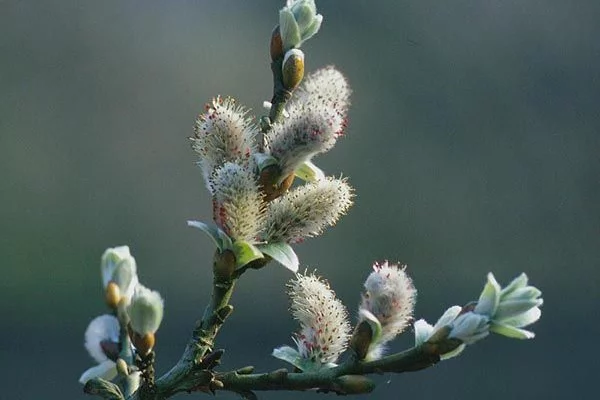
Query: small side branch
{"points": [[331, 379]]}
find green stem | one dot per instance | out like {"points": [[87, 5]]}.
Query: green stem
{"points": [[280, 98], [126, 382]]}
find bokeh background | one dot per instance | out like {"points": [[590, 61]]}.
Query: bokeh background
{"points": [[473, 144]]}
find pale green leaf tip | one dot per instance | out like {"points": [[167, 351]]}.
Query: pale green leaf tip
{"points": [[220, 238], [511, 331], [245, 252], [309, 172], [282, 253], [373, 322], [423, 331], [453, 353]]}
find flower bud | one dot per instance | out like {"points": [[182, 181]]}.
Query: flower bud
{"points": [[119, 275], [469, 328], [145, 313], [511, 308], [113, 295], [102, 329], [101, 337], [271, 183], [276, 45], [143, 343], [361, 339], [436, 337], [500, 310], [387, 304], [298, 22], [292, 69]]}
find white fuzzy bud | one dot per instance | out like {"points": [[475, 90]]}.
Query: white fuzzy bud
{"points": [[302, 135], [118, 265], [145, 311], [223, 133], [307, 210], [390, 297], [238, 206], [104, 328], [323, 319]]}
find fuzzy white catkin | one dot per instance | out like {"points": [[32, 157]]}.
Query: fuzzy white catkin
{"points": [[145, 311], [104, 327], [303, 134], [238, 206], [307, 210], [323, 319], [326, 87], [390, 296], [223, 133]]}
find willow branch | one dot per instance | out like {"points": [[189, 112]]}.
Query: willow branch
{"points": [[414, 359]]}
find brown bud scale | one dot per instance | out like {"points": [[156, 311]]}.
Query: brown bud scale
{"points": [[112, 295]]}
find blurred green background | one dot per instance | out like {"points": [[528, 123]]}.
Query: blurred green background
{"points": [[473, 145]]}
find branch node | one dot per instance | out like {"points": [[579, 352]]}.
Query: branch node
{"points": [[224, 312], [278, 375]]}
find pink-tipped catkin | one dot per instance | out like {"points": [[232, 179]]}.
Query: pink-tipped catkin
{"points": [[303, 134], [390, 296], [223, 133], [237, 201], [323, 319], [317, 118]]}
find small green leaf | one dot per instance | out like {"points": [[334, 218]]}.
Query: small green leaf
{"points": [[453, 353], [282, 253], [489, 298], [225, 239], [222, 241], [517, 283], [290, 31], [287, 354], [105, 389], [264, 160], [309, 172], [292, 356], [511, 331], [245, 253]]}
